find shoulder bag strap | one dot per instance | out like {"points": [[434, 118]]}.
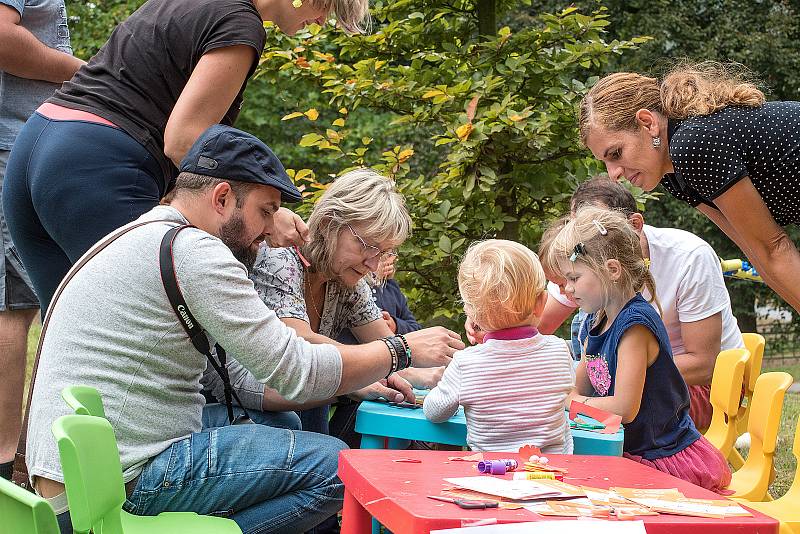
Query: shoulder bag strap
{"points": [[196, 333], [20, 476]]}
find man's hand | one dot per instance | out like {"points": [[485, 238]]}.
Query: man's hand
{"points": [[395, 389], [432, 347], [288, 229], [390, 322], [474, 333]]}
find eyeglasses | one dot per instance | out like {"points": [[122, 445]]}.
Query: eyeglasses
{"points": [[371, 251]]}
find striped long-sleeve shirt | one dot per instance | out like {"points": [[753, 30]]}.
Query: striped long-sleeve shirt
{"points": [[513, 394]]}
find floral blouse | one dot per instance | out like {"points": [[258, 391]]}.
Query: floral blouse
{"points": [[279, 278]]}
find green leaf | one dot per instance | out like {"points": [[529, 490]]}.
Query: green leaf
{"points": [[310, 139], [444, 244]]}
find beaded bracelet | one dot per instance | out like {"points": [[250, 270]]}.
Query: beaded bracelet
{"points": [[393, 354], [407, 349], [402, 356]]}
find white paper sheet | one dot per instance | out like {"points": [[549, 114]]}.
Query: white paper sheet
{"points": [[510, 489], [580, 526]]}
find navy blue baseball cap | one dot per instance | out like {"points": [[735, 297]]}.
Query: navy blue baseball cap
{"points": [[230, 154]]}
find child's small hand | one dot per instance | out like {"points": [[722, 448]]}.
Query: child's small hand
{"points": [[423, 378], [390, 322], [474, 332]]}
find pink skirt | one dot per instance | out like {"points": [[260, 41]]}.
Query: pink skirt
{"points": [[700, 463], [700, 406]]}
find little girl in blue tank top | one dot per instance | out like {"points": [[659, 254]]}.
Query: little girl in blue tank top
{"points": [[627, 367]]}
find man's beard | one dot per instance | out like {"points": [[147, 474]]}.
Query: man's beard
{"points": [[231, 234]]}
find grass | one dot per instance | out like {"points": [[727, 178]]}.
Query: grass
{"points": [[785, 462], [793, 368]]}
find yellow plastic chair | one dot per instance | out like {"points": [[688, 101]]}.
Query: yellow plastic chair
{"points": [[755, 344], [751, 482], [786, 509], [726, 391]]}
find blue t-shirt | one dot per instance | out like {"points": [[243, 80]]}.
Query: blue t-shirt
{"points": [[662, 427], [19, 97]]}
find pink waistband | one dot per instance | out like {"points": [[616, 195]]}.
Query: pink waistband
{"points": [[60, 113]]}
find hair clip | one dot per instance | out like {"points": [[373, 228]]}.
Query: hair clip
{"points": [[600, 227], [580, 249]]}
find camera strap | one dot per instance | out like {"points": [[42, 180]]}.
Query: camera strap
{"points": [[197, 335]]}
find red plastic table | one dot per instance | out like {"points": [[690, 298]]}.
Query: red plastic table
{"points": [[395, 493]]}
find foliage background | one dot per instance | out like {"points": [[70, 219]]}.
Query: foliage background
{"points": [[760, 34]]}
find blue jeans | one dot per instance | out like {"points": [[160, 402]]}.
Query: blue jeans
{"points": [[67, 184], [266, 478]]}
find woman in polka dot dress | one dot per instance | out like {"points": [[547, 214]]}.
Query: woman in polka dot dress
{"points": [[708, 135]]}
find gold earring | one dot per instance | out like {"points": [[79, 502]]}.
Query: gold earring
{"points": [[297, 4]]}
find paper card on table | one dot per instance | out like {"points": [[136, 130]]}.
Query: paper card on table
{"points": [[562, 487], [670, 494], [695, 507], [461, 493], [511, 489], [588, 508], [569, 509], [580, 526], [610, 420], [604, 496]]}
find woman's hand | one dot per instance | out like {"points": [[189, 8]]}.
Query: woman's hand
{"points": [[432, 347], [423, 378], [288, 229], [393, 389]]}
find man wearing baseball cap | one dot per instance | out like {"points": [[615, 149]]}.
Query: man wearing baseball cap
{"points": [[112, 327]]}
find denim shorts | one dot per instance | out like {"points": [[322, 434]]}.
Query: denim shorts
{"points": [[16, 291]]}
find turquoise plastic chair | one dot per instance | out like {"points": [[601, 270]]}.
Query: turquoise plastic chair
{"points": [[95, 491], [22, 512]]}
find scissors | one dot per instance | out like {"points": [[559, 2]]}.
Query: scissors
{"points": [[466, 504]]}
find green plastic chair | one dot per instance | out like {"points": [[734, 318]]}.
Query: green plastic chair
{"points": [[22, 512], [95, 491], [84, 400]]}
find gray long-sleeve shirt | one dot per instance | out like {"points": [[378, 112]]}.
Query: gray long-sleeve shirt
{"points": [[113, 329]]}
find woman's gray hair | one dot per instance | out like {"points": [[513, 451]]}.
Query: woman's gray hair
{"points": [[359, 197]]}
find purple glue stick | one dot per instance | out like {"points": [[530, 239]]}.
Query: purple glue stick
{"points": [[496, 467]]}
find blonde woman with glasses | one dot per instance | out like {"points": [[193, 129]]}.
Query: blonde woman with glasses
{"points": [[323, 287]]}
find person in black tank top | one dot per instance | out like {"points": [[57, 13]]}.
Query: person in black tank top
{"points": [[707, 134], [104, 150]]}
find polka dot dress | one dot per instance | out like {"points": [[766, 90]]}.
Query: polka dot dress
{"points": [[711, 153]]}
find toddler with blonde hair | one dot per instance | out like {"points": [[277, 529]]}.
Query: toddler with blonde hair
{"points": [[514, 384]]}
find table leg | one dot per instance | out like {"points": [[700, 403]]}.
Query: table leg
{"points": [[368, 441], [398, 444], [355, 518]]}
